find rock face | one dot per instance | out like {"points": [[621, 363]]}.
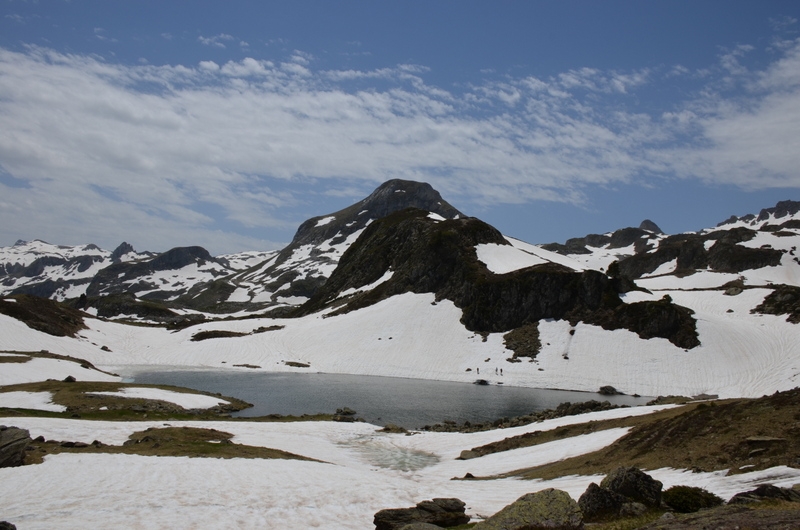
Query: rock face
{"points": [[634, 484], [766, 492], [429, 256], [438, 512], [13, 442], [550, 508]]}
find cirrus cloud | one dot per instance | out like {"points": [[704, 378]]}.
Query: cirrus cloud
{"points": [[219, 154]]}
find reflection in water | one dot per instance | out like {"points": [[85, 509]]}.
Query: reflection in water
{"points": [[411, 403]]}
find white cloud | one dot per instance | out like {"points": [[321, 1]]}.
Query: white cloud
{"points": [[216, 41], [194, 154]]}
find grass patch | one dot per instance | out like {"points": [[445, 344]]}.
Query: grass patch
{"points": [[629, 523], [166, 441], [80, 401], [14, 359], [44, 354], [738, 435]]}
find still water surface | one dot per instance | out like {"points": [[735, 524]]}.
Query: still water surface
{"points": [[411, 403]]}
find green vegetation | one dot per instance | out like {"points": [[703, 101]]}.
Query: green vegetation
{"points": [[167, 441], [79, 399], [689, 499], [738, 435]]}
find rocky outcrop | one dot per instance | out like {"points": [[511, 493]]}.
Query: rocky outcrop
{"points": [[439, 512], [429, 256], [550, 509], [624, 491], [44, 315], [766, 492], [598, 503], [635, 485], [642, 239], [784, 300], [13, 442]]}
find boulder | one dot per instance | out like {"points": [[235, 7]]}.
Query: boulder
{"points": [[547, 509], [421, 526], [766, 492], [438, 512], [598, 503], [13, 442], [5, 525], [634, 484]]}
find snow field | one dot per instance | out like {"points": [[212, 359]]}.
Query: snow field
{"points": [[411, 335], [355, 479]]}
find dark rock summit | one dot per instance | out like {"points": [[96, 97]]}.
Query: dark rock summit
{"points": [[650, 226], [121, 250], [391, 196]]}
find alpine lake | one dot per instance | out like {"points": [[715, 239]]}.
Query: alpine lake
{"points": [[411, 403]]}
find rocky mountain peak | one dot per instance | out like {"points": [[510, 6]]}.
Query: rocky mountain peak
{"points": [[782, 209], [391, 196], [121, 250], [650, 226]]}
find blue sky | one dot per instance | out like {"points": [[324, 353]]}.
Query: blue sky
{"points": [[226, 124]]}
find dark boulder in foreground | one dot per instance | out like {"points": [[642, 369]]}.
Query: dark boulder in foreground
{"points": [[13, 442], [438, 512], [551, 508], [598, 503], [634, 484]]}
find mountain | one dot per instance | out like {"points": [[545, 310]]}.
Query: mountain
{"points": [[402, 284], [56, 271], [298, 271], [160, 286]]}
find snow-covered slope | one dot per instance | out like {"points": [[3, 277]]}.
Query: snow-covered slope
{"points": [[439, 304]]}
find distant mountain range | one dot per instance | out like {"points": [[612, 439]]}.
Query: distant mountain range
{"points": [[189, 281], [580, 314]]}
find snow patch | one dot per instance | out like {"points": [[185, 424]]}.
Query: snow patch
{"points": [[324, 221], [187, 401], [30, 400]]}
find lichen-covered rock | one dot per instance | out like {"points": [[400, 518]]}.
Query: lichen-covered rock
{"points": [[13, 442], [547, 509], [634, 484], [439, 512]]}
